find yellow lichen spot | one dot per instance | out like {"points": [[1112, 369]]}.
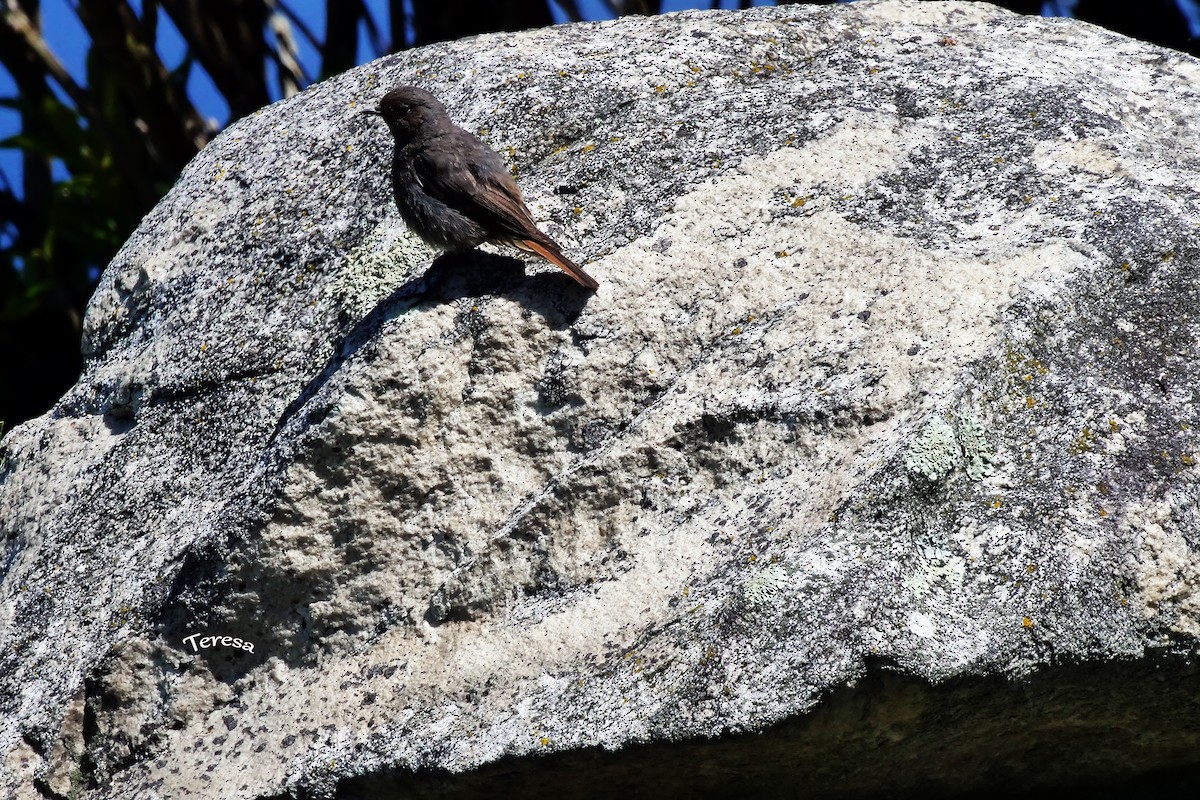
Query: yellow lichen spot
{"points": [[203, 347], [800, 201], [1029, 401], [752, 558], [1027, 622], [1027, 378], [1103, 512], [545, 741], [687, 590], [1188, 459], [782, 253], [520, 75], [1031, 568], [562, 73], [578, 210], [587, 148], [996, 503], [1113, 425], [615, 138], [660, 88], [1125, 266], [736, 330], [349, 147]]}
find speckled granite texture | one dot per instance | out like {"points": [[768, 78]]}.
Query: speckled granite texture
{"points": [[870, 470]]}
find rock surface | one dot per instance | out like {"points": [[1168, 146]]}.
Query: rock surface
{"points": [[878, 439]]}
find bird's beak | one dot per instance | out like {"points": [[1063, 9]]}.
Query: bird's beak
{"points": [[371, 111]]}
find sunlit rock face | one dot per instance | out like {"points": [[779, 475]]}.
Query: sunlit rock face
{"points": [[870, 469]]}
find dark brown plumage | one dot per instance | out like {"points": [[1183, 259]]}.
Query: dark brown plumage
{"points": [[454, 190]]}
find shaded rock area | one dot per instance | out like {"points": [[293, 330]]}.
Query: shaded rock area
{"points": [[870, 469], [887, 735]]}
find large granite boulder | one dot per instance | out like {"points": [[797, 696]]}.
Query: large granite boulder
{"points": [[870, 468]]}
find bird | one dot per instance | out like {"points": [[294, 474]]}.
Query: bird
{"points": [[453, 190]]}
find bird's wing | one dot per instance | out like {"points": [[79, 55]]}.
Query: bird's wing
{"points": [[474, 182]]}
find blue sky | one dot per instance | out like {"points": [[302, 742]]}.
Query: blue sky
{"points": [[67, 39]]}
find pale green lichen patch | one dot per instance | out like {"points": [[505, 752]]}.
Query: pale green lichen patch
{"points": [[935, 452], [765, 586], [376, 268], [937, 565], [975, 448], [941, 446]]}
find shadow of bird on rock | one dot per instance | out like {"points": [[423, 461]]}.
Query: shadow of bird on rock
{"points": [[452, 277]]}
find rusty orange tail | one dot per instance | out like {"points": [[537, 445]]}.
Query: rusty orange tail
{"points": [[549, 251]]}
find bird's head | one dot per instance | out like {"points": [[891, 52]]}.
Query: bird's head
{"points": [[407, 109]]}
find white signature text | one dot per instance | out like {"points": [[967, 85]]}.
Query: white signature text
{"points": [[206, 642]]}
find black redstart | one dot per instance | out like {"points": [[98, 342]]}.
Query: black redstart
{"points": [[454, 190]]}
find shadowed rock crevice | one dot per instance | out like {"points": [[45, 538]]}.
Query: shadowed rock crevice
{"points": [[1070, 728]]}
